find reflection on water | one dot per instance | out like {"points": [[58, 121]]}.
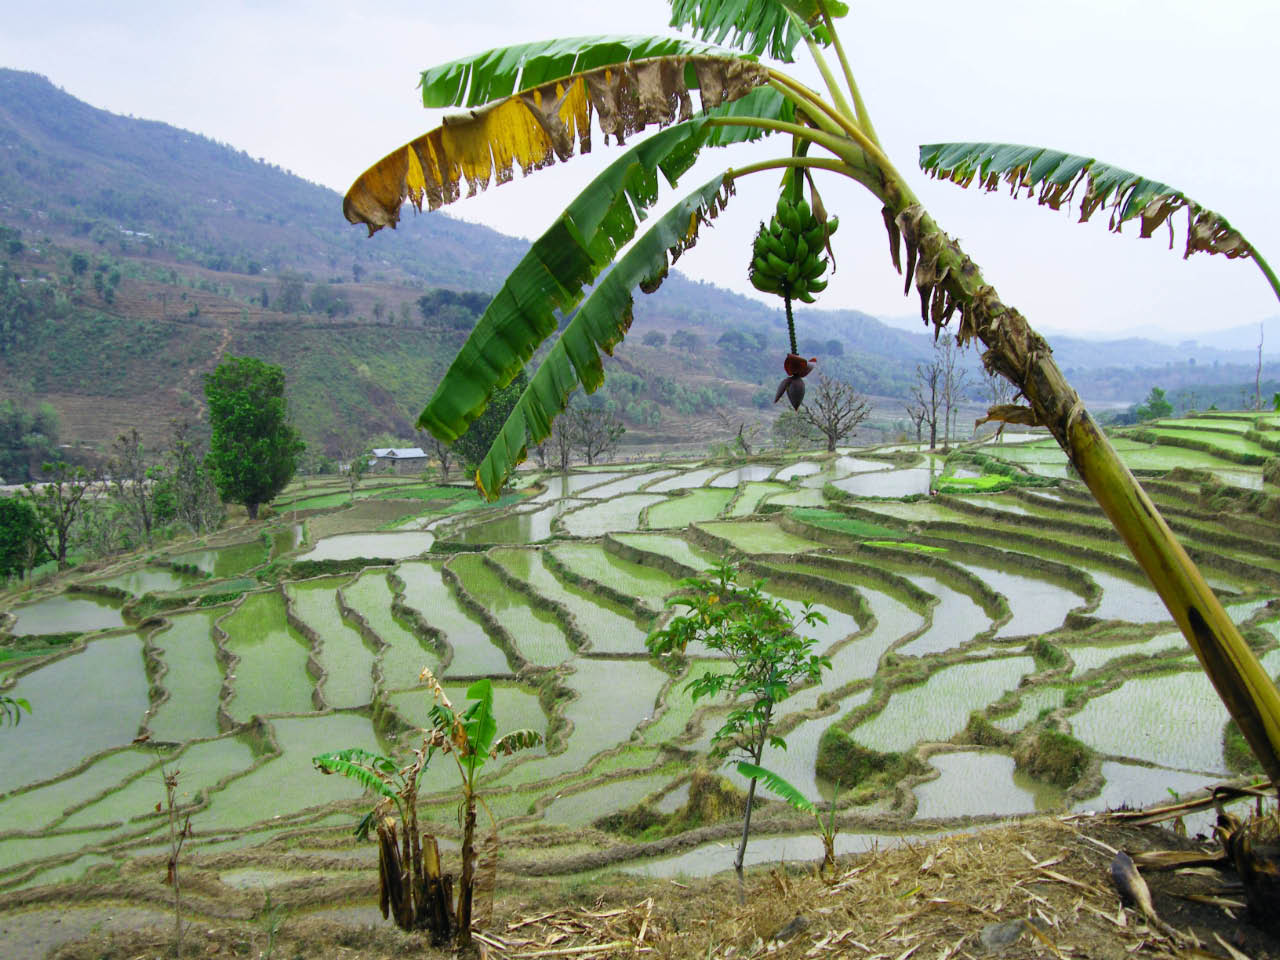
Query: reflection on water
{"points": [[68, 614], [971, 784]]}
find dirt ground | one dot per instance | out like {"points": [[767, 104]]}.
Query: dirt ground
{"points": [[1038, 888]]}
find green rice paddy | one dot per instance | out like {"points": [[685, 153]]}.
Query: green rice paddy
{"points": [[239, 700]]}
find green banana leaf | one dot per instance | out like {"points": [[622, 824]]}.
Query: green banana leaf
{"points": [[598, 326], [370, 770], [1055, 178], [514, 741], [779, 786], [755, 26], [481, 78], [569, 256]]}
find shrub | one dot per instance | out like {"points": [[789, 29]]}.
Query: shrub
{"points": [[1052, 756]]}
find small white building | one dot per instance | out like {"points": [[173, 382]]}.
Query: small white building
{"points": [[400, 459]]}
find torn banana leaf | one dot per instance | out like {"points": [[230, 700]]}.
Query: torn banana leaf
{"points": [[481, 78], [1055, 178], [753, 26], [569, 257], [537, 126], [597, 327]]}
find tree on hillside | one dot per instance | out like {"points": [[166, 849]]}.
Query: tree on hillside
{"points": [[998, 390], [1154, 407], [834, 408], [21, 547], [596, 430], [27, 439], [253, 449], [132, 480], [560, 444], [654, 338], [58, 505]]}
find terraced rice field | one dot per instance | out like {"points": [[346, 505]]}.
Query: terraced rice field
{"points": [[553, 593]]}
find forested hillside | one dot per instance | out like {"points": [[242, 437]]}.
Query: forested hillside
{"points": [[134, 254]]}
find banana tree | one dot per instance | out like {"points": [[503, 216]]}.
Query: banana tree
{"points": [[534, 104]]}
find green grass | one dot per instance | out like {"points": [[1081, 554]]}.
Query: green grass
{"points": [[987, 483], [839, 522], [904, 545]]}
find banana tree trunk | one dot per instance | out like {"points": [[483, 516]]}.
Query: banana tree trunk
{"points": [[948, 281]]}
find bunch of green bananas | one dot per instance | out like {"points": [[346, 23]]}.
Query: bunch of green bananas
{"points": [[787, 255]]}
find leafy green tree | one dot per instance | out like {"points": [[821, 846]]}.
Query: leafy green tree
{"points": [[655, 338], [27, 439], [471, 447], [253, 449], [829, 133], [757, 635], [21, 547], [58, 503], [1154, 407]]}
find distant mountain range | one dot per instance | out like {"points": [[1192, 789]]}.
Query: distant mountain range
{"points": [[194, 248]]}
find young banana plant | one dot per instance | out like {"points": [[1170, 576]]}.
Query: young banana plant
{"points": [[532, 104]]}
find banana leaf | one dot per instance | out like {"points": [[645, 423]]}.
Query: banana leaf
{"points": [[1054, 178], [778, 785], [755, 26], [370, 770], [481, 78], [598, 326], [570, 255], [536, 127]]}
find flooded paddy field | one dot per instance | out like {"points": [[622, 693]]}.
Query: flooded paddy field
{"points": [[289, 640]]}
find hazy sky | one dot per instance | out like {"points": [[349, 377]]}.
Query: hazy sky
{"points": [[1182, 91]]}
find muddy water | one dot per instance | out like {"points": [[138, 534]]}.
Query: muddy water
{"points": [[608, 626], [39, 807], [670, 545], [66, 613], [1186, 738], [536, 632], [957, 619], [271, 676], [887, 483], [759, 537], [695, 506], [193, 678], [526, 526], [389, 546], [972, 783], [229, 561], [148, 580], [684, 481], [736, 478], [1037, 605], [344, 654], [628, 484], [82, 704], [938, 708], [474, 652], [406, 653], [592, 561]]}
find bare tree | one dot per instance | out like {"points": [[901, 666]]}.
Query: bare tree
{"points": [[444, 456], [792, 432], [834, 409], [359, 462], [954, 378], [1257, 379], [561, 442], [744, 436], [596, 431], [926, 393], [196, 500], [131, 479], [916, 414]]}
